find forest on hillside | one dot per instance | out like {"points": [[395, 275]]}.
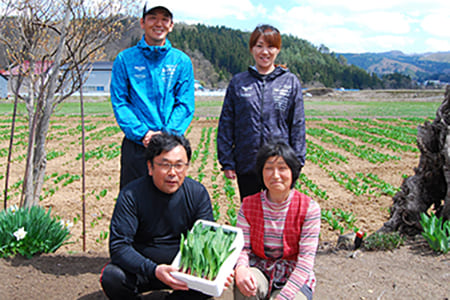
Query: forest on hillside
{"points": [[219, 52]]}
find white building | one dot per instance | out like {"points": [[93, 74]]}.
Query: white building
{"points": [[99, 78], [3, 87]]}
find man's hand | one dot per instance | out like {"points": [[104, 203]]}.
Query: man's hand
{"points": [[229, 281], [162, 272], [230, 174], [245, 281], [148, 136]]}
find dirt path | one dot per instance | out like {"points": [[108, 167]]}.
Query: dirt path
{"points": [[411, 272]]}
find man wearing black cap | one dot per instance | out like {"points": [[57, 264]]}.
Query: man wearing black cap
{"points": [[152, 91]]}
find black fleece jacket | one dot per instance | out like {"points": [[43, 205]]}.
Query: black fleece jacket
{"points": [[147, 224]]}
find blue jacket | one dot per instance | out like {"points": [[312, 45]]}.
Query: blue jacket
{"points": [[152, 88], [258, 108]]}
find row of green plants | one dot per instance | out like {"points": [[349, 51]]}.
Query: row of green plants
{"points": [[309, 188], [51, 188], [404, 130], [361, 151], [339, 220], [399, 133], [362, 184], [108, 152], [369, 138], [318, 154]]}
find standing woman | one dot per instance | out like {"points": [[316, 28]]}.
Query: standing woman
{"points": [[281, 229], [260, 104]]}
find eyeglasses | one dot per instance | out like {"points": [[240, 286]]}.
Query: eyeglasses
{"points": [[166, 167]]}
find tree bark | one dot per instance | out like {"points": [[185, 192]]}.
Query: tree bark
{"points": [[430, 183], [44, 112]]}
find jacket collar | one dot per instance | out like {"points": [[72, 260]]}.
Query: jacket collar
{"points": [[153, 51], [275, 73]]}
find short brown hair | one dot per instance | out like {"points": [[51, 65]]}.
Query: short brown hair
{"points": [[270, 34]]}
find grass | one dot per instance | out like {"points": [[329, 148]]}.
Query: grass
{"points": [[371, 109], [64, 109], [211, 106]]}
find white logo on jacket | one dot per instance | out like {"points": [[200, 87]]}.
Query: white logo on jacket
{"points": [[246, 91], [168, 74], [281, 97]]}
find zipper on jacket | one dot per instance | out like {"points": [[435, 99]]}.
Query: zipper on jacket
{"points": [[262, 112]]}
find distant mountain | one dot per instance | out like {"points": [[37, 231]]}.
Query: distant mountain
{"points": [[218, 52], [420, 67]]}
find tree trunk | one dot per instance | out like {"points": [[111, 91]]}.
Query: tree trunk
{"points": [[430, 183], [44, 110]]}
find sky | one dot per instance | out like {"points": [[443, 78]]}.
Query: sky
{"points": [[344, 26]]}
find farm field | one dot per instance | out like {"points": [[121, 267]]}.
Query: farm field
{"points": [[356, 161]]}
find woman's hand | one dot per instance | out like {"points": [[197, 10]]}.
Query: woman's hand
{"points": [[230, 174], [162, 272], [245, 281]]}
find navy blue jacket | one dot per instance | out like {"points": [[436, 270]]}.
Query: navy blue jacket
{"points": [[258, 108], [147, 224]]}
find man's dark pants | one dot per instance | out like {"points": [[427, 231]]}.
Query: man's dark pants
{"points": [[119, 284], [133, 164]]}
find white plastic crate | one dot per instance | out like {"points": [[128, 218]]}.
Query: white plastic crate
{"points": [[213, 288]]}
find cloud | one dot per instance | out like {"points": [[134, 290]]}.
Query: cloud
{"points": [[437, 24], [391, 22], [436, 45], [342, 26], [207, 10], [353, 26], [382, 5], [304, 21], [351, 5]]}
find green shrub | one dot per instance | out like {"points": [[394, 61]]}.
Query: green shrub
{"points": [[30, 231], [436, 232], [383, 241]]}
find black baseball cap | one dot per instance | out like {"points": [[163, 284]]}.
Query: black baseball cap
{"points": [[149, 9]]}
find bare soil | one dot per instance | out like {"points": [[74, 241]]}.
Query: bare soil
{"points": [[411, 272]]}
